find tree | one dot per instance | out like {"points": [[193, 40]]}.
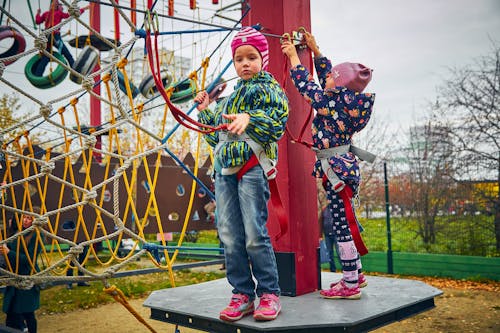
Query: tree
{"points": [[376, 139], [469, 103], [431, 183], [9, 104]]}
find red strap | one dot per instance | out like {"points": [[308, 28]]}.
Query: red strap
{"points": [[276, 202], [253, 161], [181, 117], [346, 195], [279, 210], [309, 116]]}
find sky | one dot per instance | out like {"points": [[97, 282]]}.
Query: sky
{"points": [[410, 45]]}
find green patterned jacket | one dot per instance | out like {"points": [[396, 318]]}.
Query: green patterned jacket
{"points": [[265, 101]]}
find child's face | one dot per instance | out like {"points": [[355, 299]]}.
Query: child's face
{"points": [[329, 81], [247, 61], [27, 221]]}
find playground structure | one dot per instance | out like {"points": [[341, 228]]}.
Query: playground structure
{"points": [[104, 181], [136, 172]]}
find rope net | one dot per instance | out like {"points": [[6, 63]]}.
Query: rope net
{"points": [[134, 176]]}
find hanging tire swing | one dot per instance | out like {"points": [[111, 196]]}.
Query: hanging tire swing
{"points": [[121, 83], [183, 91], [18, 45], [148, 87], [85, 63], [83, 40], [44, 82]]}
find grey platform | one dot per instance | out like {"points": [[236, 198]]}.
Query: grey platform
{"points": [[384, 300]]}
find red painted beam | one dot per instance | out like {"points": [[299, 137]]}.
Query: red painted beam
{"points": [[297, 186], [95, 103]]}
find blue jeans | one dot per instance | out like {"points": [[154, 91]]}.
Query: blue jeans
{"points": [[330, 242], [241, 223]]}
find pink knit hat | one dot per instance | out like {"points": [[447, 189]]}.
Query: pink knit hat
{"points": [[250, 36], [352, 75]]}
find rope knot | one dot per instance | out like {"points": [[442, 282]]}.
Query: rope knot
{"points": [[88, 83], [106, 77], [75, 250], [193, 75], [89, 196], [74, 10], [115, 58], [41, 42], [90, 142], [47, 168], [24, 283], [41, 221], [46, 110], [122, 63]]}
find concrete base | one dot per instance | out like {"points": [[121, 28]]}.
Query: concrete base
{"points": [[383, 301]]}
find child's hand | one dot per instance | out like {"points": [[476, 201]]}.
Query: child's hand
{"points": [[4, 249], [311, 43], [202, 99], [239, 122], [290, 51]]}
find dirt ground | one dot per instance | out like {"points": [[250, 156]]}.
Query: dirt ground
{"points": [[463, 307]]}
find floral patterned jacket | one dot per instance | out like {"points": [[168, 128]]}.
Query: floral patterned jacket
{"points": [[340, 114]]}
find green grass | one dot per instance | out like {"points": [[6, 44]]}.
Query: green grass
{"points": [[59, 299], [458, 235]]}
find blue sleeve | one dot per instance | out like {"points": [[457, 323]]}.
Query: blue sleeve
{"points": [[314, 94], [211, 118], [323, 67]]}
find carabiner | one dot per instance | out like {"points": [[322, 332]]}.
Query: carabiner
{"points": [[298, 37], [286, 35]]}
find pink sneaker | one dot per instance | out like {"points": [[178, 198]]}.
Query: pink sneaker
{"points": [[239, 307], [269, 307], [340, 290], [361, 281]]}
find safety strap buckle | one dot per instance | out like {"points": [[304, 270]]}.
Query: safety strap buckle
{"points": [[272, 173], [339, 186]]}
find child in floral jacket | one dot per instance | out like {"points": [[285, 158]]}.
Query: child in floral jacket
{"points": [[342, 110]]}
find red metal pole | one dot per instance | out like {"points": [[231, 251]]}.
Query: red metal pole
{"points": [[133, 14], [170, 7], [117, 24], [297, 186], [95, 103]]}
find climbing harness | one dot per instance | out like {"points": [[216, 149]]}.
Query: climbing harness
{"points": [[259, 157]]}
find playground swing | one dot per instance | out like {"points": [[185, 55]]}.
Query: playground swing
{"points": [[85, 63], [148, 87], [183, 91], [35, 68], [46, 81], [18, 46]]}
